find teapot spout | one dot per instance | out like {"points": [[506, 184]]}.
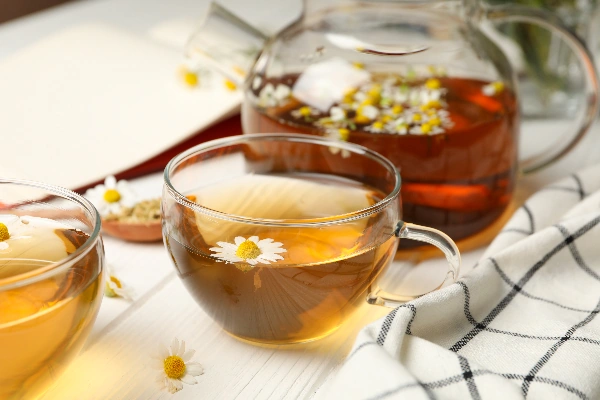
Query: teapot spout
{"points": [[229, 43]]}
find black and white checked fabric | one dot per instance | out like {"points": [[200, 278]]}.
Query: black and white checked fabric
{"points": [[523, 324]]}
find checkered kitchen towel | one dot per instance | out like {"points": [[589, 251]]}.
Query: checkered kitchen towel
{"points": [[523, 324]]}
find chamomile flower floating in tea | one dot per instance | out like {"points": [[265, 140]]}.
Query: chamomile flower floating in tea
{"points": [[176, 367], [115, 287], [12, 228], [271, 96], [493, 88], [110, 196], [251, 250]]}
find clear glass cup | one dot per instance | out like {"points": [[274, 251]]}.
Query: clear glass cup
{"points": [[51, 283], [280, 238]]}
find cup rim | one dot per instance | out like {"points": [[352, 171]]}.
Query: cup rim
{"points": [[314, 222], [56, 267]]}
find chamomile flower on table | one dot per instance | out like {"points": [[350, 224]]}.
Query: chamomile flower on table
{"points": [[110, 196], [176, 367], [252, 250], [115, 287]]}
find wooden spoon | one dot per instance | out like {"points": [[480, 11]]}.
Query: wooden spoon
{"points": [[134, 231]]}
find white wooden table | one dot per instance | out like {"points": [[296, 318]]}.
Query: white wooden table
{"points": [[115, 361]]}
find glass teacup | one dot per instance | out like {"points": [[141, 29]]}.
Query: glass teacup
{"points": [[281, 237], [51, 281]]}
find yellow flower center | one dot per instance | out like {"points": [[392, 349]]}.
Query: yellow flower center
{"points": [[498, 86], [378, 125], [344, 133], [174, 367], [304, 111], [358, 65], [374, 94], [386, 118], [417, 117], [426, 128], [112, 196], [4, 235], [433, 84], [190, 78], [248, 250], [435, 121], [397, 109], [369, 101], [230, 85], [108, 290], [433, 104]]}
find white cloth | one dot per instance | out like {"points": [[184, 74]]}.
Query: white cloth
{"points": [[522, 324]]}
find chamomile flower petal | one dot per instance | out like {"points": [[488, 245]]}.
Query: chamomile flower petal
{"points": [[188, 379], [194, 369], [187, 356]]}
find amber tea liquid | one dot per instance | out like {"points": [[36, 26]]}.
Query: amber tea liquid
{"points": [[44, 324], [322, 277], [458, 181]]}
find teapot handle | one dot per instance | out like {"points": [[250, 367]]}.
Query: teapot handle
{"points": [[511, 13]]}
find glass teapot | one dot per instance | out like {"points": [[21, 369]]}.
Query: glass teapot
{"points": [[420, 82]]}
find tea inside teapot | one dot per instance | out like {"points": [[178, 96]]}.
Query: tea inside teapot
{"points": [[420, 82], [454, 138]]}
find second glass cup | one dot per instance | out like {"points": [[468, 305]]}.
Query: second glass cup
{"points": [[280, 237]]}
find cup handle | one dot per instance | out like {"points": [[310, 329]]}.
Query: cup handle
{"points": [[511, 13], [405, 230]]}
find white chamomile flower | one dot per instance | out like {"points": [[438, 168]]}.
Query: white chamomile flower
{"points": [[304, 112], [399, 126], [175, 366], [110, 196], [337, 114], [282, 92], [251, 250], [493, 88], [271, 96], [338, 134], [402, 95], [428, 96], [375, 127], [359, 96], [370, 112], [265, 96], [12, 228], [414, 97], [115, 288], [426, 129]]}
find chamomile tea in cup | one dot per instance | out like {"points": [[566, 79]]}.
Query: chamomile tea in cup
{"points": [[51, 283], [280, 238]]}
